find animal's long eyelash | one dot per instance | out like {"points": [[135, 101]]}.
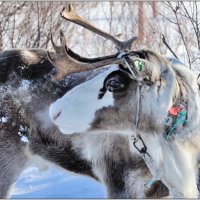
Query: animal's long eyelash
{"points": [[102, 92]]}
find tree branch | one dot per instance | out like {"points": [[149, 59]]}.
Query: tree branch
{"points": [[167, 45]]}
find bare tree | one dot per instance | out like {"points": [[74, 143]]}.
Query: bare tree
{"points": [[141, 20], [154, 8], [184, 17], [29, 24]]}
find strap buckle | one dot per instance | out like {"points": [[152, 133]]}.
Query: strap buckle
{"points": [[143, 149]]}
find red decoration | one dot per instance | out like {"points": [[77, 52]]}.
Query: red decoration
{"points": [[174, 110]]}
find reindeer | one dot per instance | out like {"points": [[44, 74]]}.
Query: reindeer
{"points": [[23, 112], [27, 90], [153, 101]]}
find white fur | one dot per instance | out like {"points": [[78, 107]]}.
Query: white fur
{"points": [[139, 185], [29, 57], [177, 161], [93, 147], [24, 92], [44, 117], [74, 117]]}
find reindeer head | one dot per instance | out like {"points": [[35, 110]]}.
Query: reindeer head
{"points": [[135, 93]]}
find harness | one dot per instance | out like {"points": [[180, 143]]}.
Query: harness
{"points": [[177, 116], [140, 145]]}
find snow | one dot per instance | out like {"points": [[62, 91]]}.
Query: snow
{"points": [[55, 183], [4, 119], [23, 138]]}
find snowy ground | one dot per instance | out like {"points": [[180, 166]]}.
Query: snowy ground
{"points": [[55, 183]]}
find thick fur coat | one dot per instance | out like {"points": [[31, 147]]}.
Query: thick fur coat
{"points": [[25, 100], [140, 106]]}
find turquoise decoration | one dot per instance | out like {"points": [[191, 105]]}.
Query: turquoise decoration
{"points": [[138, 65], [180, 120], [148, 183]]}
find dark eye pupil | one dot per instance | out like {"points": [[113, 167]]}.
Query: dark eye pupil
{"points": [[114, 84]]}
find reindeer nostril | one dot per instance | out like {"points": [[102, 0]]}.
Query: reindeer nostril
{"points": [[56, 115]]}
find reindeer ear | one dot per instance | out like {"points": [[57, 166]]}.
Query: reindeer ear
{"points": [[141, 54], [155, 57]]}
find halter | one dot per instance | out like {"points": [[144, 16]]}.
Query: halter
{"points": [[138, 141], [177, 115]]}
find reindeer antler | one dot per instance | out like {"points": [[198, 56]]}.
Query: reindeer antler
{"points": [[69, 14], [65, 64]]}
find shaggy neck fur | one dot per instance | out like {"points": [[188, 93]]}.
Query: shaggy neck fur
{"points": [[177, 157]]}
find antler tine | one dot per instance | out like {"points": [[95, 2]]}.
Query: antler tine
{"points": [[56, 48], [66, 65], [69, 14], [63, 40]]}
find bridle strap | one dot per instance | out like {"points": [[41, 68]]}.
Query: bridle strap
{"points": [[139, 85], [137, 137]]}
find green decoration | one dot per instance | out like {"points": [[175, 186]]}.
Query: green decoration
{"points": [[138, 65]]}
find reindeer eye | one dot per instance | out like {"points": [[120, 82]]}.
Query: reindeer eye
{"points": [[114, 85], [116, 82]]}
